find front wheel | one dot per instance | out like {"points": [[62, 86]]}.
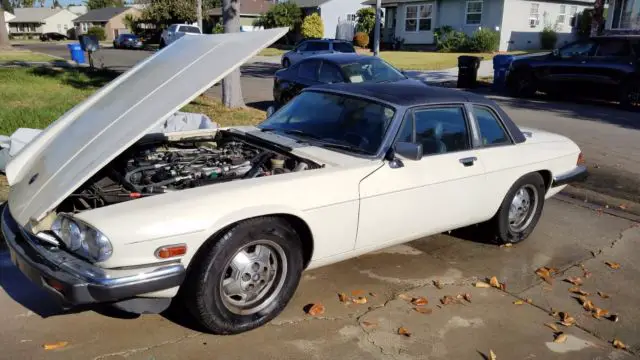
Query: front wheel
{"points": [[520, 210], [522, 84], [630, 95], [247, 277]]}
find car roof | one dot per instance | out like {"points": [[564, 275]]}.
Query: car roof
{"points": [[405, 93], [339, 58], [323, 40]]}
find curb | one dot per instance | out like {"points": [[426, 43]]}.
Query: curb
{"points": [[607, 204]]}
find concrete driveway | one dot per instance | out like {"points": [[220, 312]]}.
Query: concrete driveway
{"points": [[568, 237]]}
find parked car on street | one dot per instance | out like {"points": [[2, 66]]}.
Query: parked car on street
{"points": [[128, 41], [231, 217], [53, 36], [603, 67], [308, 48], [176, 31], [331, 69]]}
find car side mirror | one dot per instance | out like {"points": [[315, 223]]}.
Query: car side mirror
{"points": [[270, 110], [411, 151]]}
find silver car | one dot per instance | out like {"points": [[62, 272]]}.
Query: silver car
{"points": [[308, 48]]}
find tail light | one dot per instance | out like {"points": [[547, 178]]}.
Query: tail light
{"points": [[580, 159]]}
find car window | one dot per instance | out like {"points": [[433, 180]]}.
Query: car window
{"points": [[309, 70], [439, 130], [302, 47], [371, 69], [317, 46], [343, 47], [334, 118], [580, 48], [614, 47], [329, 74], [491, 131], [173, 27], [189, 29]]}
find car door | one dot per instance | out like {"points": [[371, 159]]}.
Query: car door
{"points": [[567, 69], [171, 33], [308, 71], [330, 73], [296, 55], [442, 191], [611, 65]]}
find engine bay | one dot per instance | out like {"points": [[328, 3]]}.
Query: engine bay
{"points": [[156, 167]]}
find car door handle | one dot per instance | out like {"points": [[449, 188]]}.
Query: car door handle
{"points": [[468, 161]]}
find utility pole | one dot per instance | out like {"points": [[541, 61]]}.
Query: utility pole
{"points": [[376, 32], [199, 14]]}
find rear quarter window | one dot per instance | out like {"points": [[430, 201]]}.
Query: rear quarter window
{"points": [[343, 47], [190, 29]]}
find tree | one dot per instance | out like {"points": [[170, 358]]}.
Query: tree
{"points": [[366, 20], [166, 12], [286, 14], [231, 90], [4, 36], [598, 17], [312, 26], [56, 4], [7, 5], [99, 4]]}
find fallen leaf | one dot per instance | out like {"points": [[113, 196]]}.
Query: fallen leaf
{"points": [[603, 295], [446, 300], [55, 346], [423, 310], [566, 319], [361, 300], [492, 355], [506, 245], [481, 284], [560, 338], [372, 294], [494, 282], [585, 273], [552, 327], [588, 305], [316, 309], [405, 297], [613, 265], [529, 301], [369, 324], [623, 206], [598, 313], [437, 284], [574, 280], [420, 301], [357, 292], [518, 302], [404, 331], [619, 344], [613, 318], [467, 297], [545, 273], [503, 286], [343, 297], [577, 290]]}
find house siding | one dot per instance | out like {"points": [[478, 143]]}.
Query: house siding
{"points": [[517, 34], [116, 25], [63, 18], [334, 11], [453, 13]]}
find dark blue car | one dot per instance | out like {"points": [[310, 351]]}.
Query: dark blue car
{"points": [[127, 41]]}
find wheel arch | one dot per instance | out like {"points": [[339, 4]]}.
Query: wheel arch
{"points": [[547, 178]]}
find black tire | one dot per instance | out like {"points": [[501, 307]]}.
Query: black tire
{"points": [[162, 44], [286, 63], [204, 295], [502, 229], [522, 84], [630, 95]]}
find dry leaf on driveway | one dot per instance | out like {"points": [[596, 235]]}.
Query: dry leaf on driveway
{"points": [[613, 265], [494, 282], [561, 338], [481, 284], [419, 301], [577, 290], [405, 297], [437, 284], [404, 331], [446, 300], [545, 274], [619, 344], [316, 309], [566, 319], [575, 280], [55, 346], [467, 297], [361, 300], [492, 355], [343, 297], [603, 295], [518, 302], [598, 313]]}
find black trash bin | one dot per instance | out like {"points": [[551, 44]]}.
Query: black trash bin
{"points": [[468, 71]]}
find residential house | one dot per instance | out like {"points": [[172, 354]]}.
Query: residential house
{"points": [[8, 16], [518, 21], [250, 10], [111, 19], [36, 21], [338, 16], [623, 16]]}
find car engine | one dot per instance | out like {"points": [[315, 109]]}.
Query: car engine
{"points": [[160, 167]]}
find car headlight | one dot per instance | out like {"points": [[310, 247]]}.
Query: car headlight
{"points": [[82, 239]]}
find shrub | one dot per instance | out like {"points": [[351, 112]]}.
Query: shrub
{"points": [[98, 32], [312, 26], [584, 22], [366, 20], [218, 28], [484, 40], [548, 38], [361, 39], [450, 40]]}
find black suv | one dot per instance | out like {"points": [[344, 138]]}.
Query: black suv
{"points": [[603, 67]]}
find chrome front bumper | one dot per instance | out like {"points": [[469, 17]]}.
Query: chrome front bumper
{"points": [[75, 281], [579, 173]]}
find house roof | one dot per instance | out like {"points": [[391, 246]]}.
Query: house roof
{"points": [[32, 15], [101, 15], [391, 3], [247, 7], [309, 3]]}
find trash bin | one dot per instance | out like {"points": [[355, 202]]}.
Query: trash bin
{"points": [[468, 71], [77, 54], [501, 65]]}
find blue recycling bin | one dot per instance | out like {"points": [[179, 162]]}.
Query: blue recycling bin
{"points": [[77, 54], [501, 64]]}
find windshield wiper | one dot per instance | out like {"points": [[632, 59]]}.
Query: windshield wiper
{"points": [[293, 132], [345, 147]]}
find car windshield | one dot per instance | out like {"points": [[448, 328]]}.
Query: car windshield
{"points": [[371, 69], [333, 121], [190, 29]]}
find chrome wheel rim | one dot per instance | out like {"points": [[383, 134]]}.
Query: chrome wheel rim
{"points": [[523, 208], [253, 277], [634, 96]]}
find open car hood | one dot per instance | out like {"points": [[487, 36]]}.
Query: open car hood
{"points": [[73, 148]]}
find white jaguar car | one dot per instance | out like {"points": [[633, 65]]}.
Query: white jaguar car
{"points": [[102, 211]]}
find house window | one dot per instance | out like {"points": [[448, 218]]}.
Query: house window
{"points": [[573, 11], [474, 12], [351, 17], [418, 18], [562, 15], [534, 15], [627, 15]]}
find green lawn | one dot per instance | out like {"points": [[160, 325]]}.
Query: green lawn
{"points": [[35, 97], [271, 51], [23, 55]]}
